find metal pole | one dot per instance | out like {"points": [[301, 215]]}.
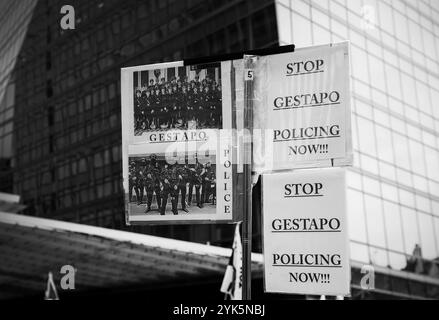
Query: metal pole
{"points": [[247, 219]]}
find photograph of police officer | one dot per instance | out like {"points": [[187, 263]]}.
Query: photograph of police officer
{"points": [[177, 98], [184, 187]]}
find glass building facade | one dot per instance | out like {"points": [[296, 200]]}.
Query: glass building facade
{"points": [[67, 122], [14, 18], [393, 188]]}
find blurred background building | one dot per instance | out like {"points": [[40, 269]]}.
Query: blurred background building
{"points": [[60, 133], [394, 185]]}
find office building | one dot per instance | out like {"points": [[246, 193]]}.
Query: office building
{"points": [[393, 188], [64, 94]]}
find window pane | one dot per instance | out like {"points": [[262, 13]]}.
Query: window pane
{"points": [[374, 217], [410, 228], [393, 227]]}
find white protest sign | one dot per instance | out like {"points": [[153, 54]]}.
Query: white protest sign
{"points": [[303, 107], [304, 232]]}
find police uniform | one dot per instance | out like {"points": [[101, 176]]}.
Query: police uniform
{"points": [[131, 180], [166, 188], [215, 108], [183, 178], [208, 105], [198, 107], [151, 85], [191, 101], [137, 110], [155, 105], [209, 185], [138, 186], [146, 109], [148, 183], [155, 171], [164, 110], [195, 179], [174, 191]]}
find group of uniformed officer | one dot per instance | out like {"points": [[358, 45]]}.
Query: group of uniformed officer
{"points": [[178, 104], [171, 182]]}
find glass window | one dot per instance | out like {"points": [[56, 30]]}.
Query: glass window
{"points": [[387, 170], [107, 156], [107, 188], [74, 166], [98, 160], [407, 198], [371, 186], [116, 153], [376, 69], [338, 9], [369, 164], [375, 221], [420, 183], [82, 165], [381, 118], [410, 229], [301, 31], [103, 95], [428, 243], [284, 24], [384, 137], [401, 150], [379, 257], [111, 91], [339, 29], [408, 86], [353, 180], [432, 161], [359, 252], [87, 102], [321, 18], [363, 109], [379, 97], [357, 223], [423, 95], [95, 98], [396, 106], [389, 192], [401, 31], [436, 228], [366, 136], [359, 63], [100, 190], [392, 216], [417, 157]]}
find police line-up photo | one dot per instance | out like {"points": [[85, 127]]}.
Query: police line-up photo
{"points": [[177, 98], [158, 186]]}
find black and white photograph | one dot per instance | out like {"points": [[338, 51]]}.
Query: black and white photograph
{"points": [[185, 186], [183, 98], [173, 108], [178, 151]]}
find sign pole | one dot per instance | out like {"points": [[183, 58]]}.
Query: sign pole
{"points": [[247, 219]]}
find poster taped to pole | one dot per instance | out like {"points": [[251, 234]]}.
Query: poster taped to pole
{"points": [[305, 238], [177, 143], [302, 115]]}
